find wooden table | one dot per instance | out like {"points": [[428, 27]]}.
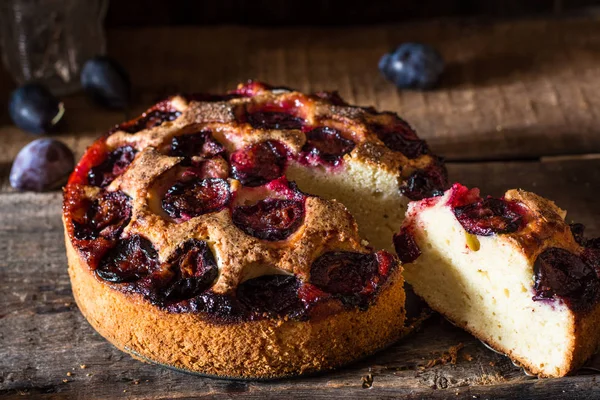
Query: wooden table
{"points": [[519, 107]]}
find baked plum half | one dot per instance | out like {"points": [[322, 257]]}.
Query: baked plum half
{"points": [[115, 163], [153, 117], [191, 198], [325, 145], [558, 273], [259, 163], [131, 259], [350, 276], [400, 136], [486, 217]]}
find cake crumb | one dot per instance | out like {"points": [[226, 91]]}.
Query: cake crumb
{"points": [[136, 382], [65, 381], [83, 366], [451, 356], [69, 373], [367, 381], [88, 374], [468, 357], [492, 364]]}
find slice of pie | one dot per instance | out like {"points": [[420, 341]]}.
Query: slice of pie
{"points": [[508, 270]]}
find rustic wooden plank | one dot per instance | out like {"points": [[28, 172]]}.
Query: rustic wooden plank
{"points": [[513, 90], [43, 337]]}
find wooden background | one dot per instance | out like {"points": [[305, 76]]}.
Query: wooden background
{"points": [[519, 107]]}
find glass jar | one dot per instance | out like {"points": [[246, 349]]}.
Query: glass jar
{"points": [[48, 41]]}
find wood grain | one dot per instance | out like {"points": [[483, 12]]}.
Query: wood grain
{"points": [[43, 337], [521, 90]]}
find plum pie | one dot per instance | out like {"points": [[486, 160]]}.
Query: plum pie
{"points": [[246, 235]]}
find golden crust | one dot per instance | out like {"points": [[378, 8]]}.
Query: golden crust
{"points": [[258, 349], [546, 226]]}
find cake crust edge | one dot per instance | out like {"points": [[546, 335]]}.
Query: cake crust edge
{"points": [[188, 342]]}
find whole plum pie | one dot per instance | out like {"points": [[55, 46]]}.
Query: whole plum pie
{"points": [[509, 270], [247, 234]]}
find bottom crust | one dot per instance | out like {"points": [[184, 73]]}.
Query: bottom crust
{"points": [[252, 349]]}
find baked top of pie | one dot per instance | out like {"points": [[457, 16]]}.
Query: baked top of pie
{"points": [[189, 204]]}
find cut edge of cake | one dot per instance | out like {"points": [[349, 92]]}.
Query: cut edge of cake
{"points": [[487, 284]]}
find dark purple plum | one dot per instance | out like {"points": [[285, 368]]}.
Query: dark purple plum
{"points": [[274, 120], [106, 217], [326, 145], [130, 260], [43, 164], [114, 165], [405, 245], [273, 294], [161, 112], [259, 163], [192, 270], [106, 82], [270, 219], [490, 216], [423, 183], [34, 109], [402, 138], [349, 275], [220, 307], [200, 144], [560, 273], [412, 66], [189, 199]]}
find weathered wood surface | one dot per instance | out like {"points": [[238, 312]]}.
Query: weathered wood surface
{"points": [[519, 90], [43, 337]]}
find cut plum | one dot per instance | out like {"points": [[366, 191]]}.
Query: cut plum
{"points": [[490, 216], [153, 117], [201, 144], [259, 163], [273, 294], [401, 137], [274, 120], [406, 246], [130, 260], [106, 217], [429, 182], [192, 270], [192, 198], [223, 307], [113, 165], [270, 219], [325, 145], [352, 276], [560, 273]]}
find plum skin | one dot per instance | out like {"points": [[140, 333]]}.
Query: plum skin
{"points": [[43, 164], [34, 109]]}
